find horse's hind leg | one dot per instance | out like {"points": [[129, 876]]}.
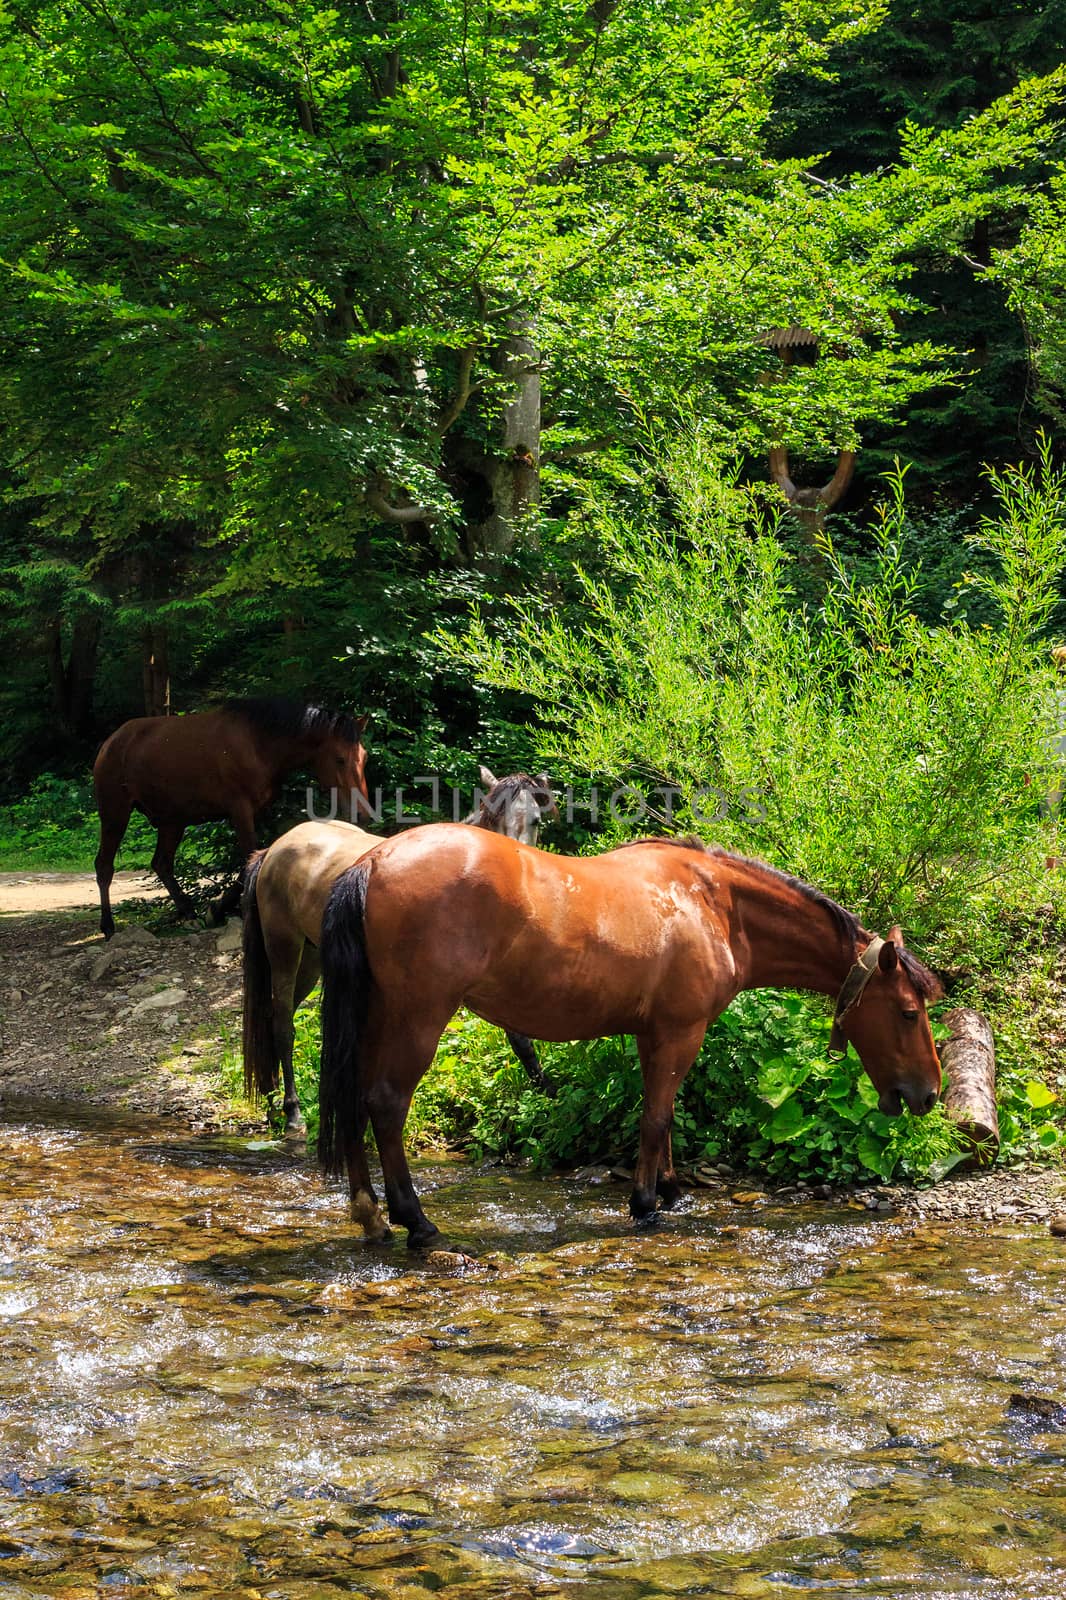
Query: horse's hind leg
{"points": [[291, 982], [405, 1052], [114, 820], [664, 1064], [364, 1201], [526, 1052], [168, 838], [667, 1186]]}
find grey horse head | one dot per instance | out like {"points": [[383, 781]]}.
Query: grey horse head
{"points": [[516, 805]]}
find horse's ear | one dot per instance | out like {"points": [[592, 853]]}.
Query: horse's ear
{"points": [[486, 778], [360, 724], [543, 779], [888, 955]]}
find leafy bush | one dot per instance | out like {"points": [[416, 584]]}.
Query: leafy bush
{"points": [[54, 827], [763, 1094], [894, 763]]}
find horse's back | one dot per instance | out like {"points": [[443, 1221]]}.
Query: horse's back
{"points": [[553, 946], [299, 870]]}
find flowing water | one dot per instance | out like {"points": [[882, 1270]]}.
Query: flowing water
{"points": [[209, 1387]]}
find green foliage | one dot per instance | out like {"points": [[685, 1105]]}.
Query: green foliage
{"points": [[895, 764], [940, 65], [54, 827], [272, 262], [763, 1094]]}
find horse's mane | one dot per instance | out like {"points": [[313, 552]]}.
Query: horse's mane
{"points": [[293, 719], [846, 923]]}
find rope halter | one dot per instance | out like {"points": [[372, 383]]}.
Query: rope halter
{"points": [[851, 992]]}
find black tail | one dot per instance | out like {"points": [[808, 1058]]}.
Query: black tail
{"points": [[260, 1052], [345, 991]]}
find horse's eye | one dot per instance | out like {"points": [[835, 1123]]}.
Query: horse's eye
{"points": [[910, 1016]]}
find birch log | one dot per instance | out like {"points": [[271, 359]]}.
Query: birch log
{"points": [[969, 1061]]}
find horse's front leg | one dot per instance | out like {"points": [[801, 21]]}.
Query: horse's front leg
{"points": [[168, 838], [664, 1063]]}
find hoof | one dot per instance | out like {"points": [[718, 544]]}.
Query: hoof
{"points": [[427, 1238], [670, 1192], [375, 1229], [648, 1222]]}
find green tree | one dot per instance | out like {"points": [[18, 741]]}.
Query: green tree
{"points": [[278, 273], [940, 65]]}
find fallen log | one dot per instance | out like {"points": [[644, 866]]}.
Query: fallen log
{"points": [[969, 1062]]}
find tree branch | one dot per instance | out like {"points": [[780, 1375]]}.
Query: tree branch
{"points": [[463, 392], [376, 500]]}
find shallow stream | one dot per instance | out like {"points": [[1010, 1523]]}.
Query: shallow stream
{"points": [[209, 1386]]}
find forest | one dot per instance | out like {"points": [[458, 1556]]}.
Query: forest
{"points": [[666, 396]]}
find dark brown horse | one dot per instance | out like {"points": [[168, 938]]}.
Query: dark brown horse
{"points": [[286, 890], [653, 939], [226, 763]]}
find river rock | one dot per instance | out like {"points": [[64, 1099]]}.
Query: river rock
{"points": [[152, 986], [1034, 1413], [134, 934], [101, 964], [159, 1002], [229, 940]]}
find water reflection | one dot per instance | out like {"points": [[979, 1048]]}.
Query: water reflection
{"points": [[208, 1386]]}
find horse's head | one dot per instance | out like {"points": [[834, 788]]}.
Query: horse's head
{"points": [[881, 1011], [340, 763], [516, 805]]}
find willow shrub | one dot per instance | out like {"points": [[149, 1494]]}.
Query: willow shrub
{"points": [[895, 764], [899, 766]]}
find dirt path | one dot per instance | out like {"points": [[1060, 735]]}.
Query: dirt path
{"points": [[139, 1023], [23, 892]]}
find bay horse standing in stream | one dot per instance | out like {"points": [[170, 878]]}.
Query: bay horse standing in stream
{"points": [[286, 890], [654, 938], [213, 765]]}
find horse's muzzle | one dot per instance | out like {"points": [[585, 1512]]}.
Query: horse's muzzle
{"points": [[919, 1102]]}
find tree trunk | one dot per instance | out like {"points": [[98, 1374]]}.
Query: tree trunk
{"points": [[73, 680], [155, 670], [81, 672], [969, 1061], [511, 479]]}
